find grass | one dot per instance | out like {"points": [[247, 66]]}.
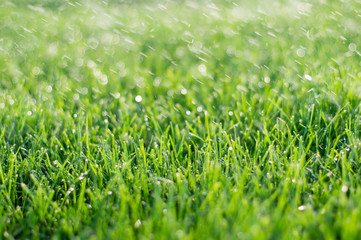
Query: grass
{"points": [[180, 120]]}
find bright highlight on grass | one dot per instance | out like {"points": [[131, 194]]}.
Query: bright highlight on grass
{"points": [[180, 119]]}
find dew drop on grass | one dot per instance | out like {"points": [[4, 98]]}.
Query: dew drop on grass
{"points": [[184, 91], [110, 193], [29, 113], [308, 77], [344, 188], [36, 70], [116, 95], [202, 69], [302, 208], [137, 223], [156, 82], [49, 89], [300, 52], [352, 47], [103, 79], [138, 98]]}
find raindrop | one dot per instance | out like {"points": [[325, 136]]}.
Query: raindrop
{"points": [[302, 208], [156, 82], [104, 79], [137, 223], [300, 52], [138, 98], [352, 47], [36, 71], [116, 95], [308, 77], [49, 89], [202, 69]]}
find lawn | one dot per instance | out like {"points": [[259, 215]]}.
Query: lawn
{"points": [[180, 119]]}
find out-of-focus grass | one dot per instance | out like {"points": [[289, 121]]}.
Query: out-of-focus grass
{"points": [[180, 119]]}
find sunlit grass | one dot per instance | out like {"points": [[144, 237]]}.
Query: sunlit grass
{"points": [[180, 120]]}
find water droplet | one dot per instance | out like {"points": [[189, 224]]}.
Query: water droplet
{"points": [[138, 98], [137, 223], [103, 79], [116, 95], [308, 77], [352, 47], [156, 82], [300, 52], [344, 188], [202, 69], [302, 208], [36, 70], [49, 89]]}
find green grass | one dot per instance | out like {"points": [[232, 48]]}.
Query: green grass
{"points": [[248, 125]]}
